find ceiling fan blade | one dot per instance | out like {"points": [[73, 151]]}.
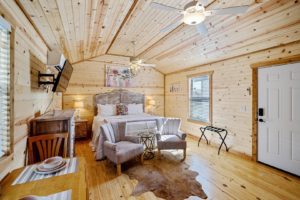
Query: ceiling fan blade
{"points": [[201, 28], [230, 10], [161, 6], [171, 26], [147, 65], [168, 28]]}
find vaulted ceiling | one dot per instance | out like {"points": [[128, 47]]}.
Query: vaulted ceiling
{"points": [[83, 29]]}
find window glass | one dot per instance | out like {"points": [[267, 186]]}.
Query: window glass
{"points": [[199, 99]]}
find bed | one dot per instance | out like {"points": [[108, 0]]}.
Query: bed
{"points": [[128, 125]]}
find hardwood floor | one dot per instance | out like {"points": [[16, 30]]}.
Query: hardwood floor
{"points": [[222, 177]]}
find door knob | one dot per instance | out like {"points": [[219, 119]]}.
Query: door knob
{"points": [[261, 120]]}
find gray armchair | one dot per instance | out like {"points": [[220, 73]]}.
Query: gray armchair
{"points": [[170, 137], [120, 151]]}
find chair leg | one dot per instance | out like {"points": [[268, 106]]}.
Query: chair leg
{"points": [[118, 169], [184, 154], [142, 158], [158, 154]]}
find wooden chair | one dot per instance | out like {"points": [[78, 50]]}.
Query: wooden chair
{"points": [[47, 146]]}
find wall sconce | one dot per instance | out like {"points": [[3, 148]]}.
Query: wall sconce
{"points": [[78, 105]]}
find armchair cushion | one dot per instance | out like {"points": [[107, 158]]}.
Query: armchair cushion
{"points": [[124, 152], [110, 146], [171, 142], [133, 139]]}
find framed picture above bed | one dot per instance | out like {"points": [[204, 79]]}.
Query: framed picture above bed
{"points": [[117, 76]]}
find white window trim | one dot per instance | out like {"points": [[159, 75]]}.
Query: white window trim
{"points": [[8, 158]]}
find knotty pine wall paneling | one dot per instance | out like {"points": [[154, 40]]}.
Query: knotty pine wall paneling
{"points": [[88, 79], [231, 101], [27, 49]]}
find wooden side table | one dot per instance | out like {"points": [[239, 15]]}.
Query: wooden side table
{"points": [[81, 128]]}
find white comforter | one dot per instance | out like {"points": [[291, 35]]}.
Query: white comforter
{"points": [[136, 123]]}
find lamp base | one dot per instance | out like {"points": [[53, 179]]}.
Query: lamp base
{"points": [[77, 116]]}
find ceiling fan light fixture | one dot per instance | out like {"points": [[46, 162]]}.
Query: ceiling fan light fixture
{"points": [[193, 18], [134, 69]]}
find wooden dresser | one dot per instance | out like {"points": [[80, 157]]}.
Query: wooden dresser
{"points": [[59, 121]]}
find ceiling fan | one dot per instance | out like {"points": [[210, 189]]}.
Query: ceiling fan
{"points": [[136, 63], [194, 13], [140, 62]]}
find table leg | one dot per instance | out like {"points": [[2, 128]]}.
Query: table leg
{"points": [[119, 169], [142, 158]]}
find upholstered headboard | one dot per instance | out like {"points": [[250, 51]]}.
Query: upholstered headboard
{"points": [[119, 96]]}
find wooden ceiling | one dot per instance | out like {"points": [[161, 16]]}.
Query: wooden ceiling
{"points": [[83, 29]]}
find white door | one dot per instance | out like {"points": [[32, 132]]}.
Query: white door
{"points": [[279, 125]]}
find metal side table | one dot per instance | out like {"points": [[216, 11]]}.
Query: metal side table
{"points": [[148, 140]]}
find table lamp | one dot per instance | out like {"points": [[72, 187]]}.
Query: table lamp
{"points": [[152, 102], [78, 105]]}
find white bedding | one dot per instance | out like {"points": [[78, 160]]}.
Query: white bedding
{"points": [[135, 124]]}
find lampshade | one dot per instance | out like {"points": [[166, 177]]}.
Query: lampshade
{"points": [[151, 102], [78, 104]]}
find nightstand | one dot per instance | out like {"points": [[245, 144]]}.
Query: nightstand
{"points": [[81, 128]]}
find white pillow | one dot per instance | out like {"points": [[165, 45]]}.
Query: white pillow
{"points": [[106, 109], [135, 109]]}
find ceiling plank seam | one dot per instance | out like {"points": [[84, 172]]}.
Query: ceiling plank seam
{"points": [[33, 25], [122, 24]]}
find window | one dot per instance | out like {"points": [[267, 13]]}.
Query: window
{"points": [[200, 98], [4, 88]]}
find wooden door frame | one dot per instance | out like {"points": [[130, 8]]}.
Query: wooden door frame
{"points": [[255, 67]]}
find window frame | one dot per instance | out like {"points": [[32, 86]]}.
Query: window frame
{"points": [[189, 77], [6, 158]]}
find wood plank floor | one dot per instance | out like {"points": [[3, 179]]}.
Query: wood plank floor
{"points": [[222, 177]]}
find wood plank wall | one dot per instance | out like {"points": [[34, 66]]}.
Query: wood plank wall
{"points": [[88, 79], [28, 50], [232, 102]]}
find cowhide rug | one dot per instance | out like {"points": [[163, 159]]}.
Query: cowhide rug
{"points": [[167, 178]]}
